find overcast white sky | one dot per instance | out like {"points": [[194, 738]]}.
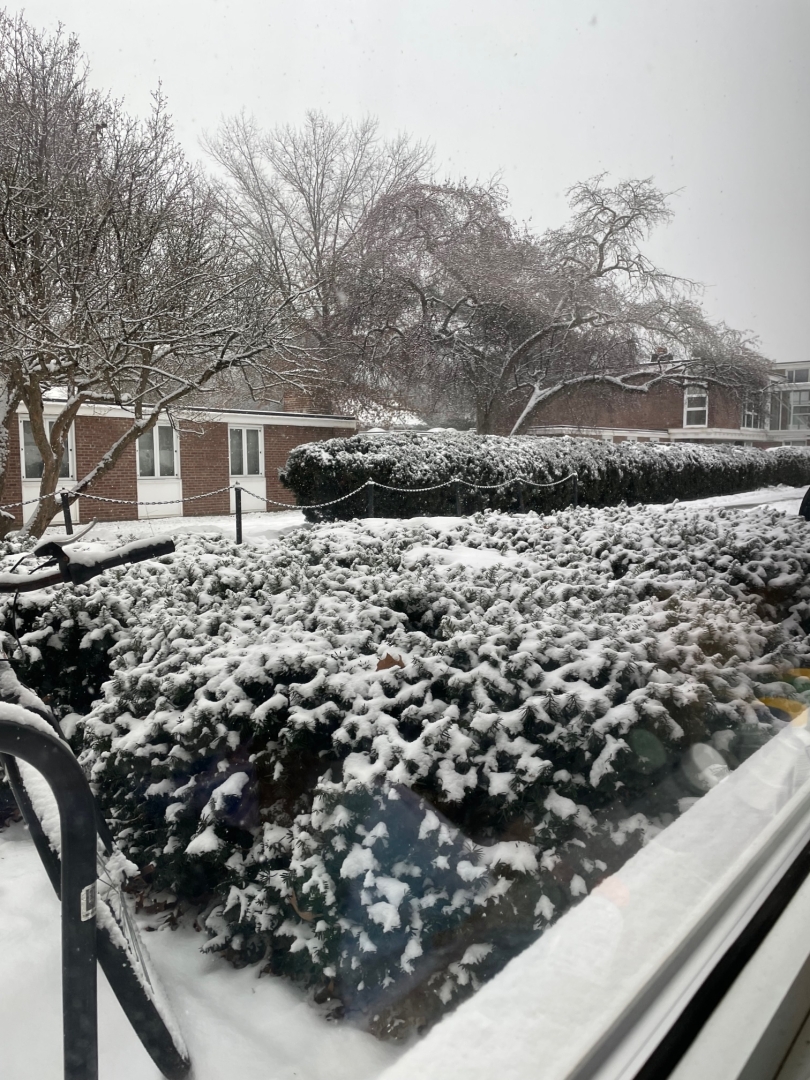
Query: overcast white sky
{"points": [[709, 97]]}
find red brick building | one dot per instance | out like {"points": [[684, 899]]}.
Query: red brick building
{"points": [[694, 413], [199, 451]]}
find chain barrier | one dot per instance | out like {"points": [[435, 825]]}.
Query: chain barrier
{"points": [[409, 491], [310, 505], [122, 502], [294, 506], [157, 502]]}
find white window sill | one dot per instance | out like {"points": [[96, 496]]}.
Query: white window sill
{"points": [[702, 877]]}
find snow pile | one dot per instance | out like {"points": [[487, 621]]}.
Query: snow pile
{"points": [[384, 756], [630, 472]]}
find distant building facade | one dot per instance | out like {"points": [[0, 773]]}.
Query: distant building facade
{"points": [[189, 454], [696, 412]]}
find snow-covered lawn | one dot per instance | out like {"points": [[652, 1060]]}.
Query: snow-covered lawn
{"points": [[257, 529], [260, 529], [236, 1024]]}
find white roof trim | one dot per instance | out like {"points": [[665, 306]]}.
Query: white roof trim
{"points": [[212, 416]]}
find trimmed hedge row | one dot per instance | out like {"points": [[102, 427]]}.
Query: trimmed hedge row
{"points": [[607, 474]]}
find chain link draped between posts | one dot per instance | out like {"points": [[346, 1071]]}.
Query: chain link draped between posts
{"points": [[67, 497]]}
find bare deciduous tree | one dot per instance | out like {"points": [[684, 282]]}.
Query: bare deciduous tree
{"points": [[300, 200], [120, 281]]}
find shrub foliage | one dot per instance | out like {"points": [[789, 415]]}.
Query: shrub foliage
{"points": [[607, 474], [381, 758]]}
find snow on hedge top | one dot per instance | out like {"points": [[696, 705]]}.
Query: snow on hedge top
{"points": [[422, 458], [607, 475]]}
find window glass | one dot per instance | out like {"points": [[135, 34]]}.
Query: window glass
{"points": [[33, 459], [252, 446], [752, 413], [800, 375], [246, 455], [696, 408], [146, 454], [163, 462], [166, 449], [800, 409], [237, 466], [780, 411]]}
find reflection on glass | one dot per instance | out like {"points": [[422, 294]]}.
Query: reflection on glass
{"points": [[146, 454], [237, 466], [166, 450], [252, 440], [33, 459]]}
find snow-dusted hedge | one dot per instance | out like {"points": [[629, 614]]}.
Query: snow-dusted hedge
{"points": [[608, 474], [382, 758]]}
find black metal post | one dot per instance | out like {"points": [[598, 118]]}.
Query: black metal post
{"points": [[370, 499], [238, 506], [521, 504], [459, 507], [66, 511], [575, 492], [54, 759]]}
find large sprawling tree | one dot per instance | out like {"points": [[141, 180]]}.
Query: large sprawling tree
{"points": [[428, 295], [481, 310], [120, 280]]}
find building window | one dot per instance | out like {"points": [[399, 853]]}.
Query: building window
{"points": [[790, 410], [800, 409], [752, 412], [798, 375], [696, 406], [157, 452], [246, 451], [33, 465], [780, 410]]}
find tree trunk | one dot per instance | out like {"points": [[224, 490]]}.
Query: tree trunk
{"points": [[50, 476], [9, 400], [49, 505], [483, 418]]}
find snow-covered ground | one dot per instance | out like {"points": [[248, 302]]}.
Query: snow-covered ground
{"points": [[236, 1024], [259, 529]]}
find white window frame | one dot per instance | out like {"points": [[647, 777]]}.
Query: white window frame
{"points": [[799, 407], [71, 451], [243, 428], [753, 410], [690, 392], [157, 475]]}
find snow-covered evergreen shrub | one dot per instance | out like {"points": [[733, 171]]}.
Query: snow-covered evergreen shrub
{"points": [[608, 474], [382, 757]]}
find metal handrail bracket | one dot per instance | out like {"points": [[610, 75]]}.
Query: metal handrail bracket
{"points": [[28, 737]]}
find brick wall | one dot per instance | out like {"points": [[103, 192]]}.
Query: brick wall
{"points": [[598, 405], [94, 435], [725, 408], [12, 489], [278, 442], [93, 438], [204, 466]]}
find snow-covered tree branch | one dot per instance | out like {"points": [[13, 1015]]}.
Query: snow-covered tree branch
{"points": [[121, 281]]}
